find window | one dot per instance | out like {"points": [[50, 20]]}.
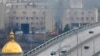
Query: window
{"points": [[31, 18], [82, 13], [34, 5], [32, 28], [41, 23], [16, 6], [71, 18], [36, 29], [21, 18], [36, 18], [12, 17], [87, 18], [17, 18], [82, 18], [25, 6], [14, 12], [43, 12], [26, 18], [32, 23], [75, 12], [99, 17], [17, 1], [16, 24], [77, 18], [92, 18], [42, 18], [36, 23], [24, 12], [89, 12], [34, 12], [75, 25]]}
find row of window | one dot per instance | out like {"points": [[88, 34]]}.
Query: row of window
{"points": [[82, 13], [27, 18], [34, 24], [35, 28], [24, 6], [25, 12], [40, 24], [82, 18]]}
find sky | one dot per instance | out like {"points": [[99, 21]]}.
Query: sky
{"points": [[91, 3], [86, 3]]}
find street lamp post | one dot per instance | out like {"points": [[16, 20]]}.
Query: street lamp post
{"points": [[60, 47], [81, 50], [64, 51], [77, 38], [77, 42]]}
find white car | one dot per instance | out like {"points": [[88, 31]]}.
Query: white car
{"points": [[18, 32]]}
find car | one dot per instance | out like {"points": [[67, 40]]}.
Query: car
{"points": [[18, 32], [53, 53], [63, 50]]}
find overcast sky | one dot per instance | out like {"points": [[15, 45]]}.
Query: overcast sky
{"points": [[91, 3]]}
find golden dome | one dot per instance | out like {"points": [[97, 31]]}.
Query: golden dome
{"points": [[11, 46]]}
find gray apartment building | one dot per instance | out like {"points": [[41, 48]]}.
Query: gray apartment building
{"points": [[31, 16], [76, 17]]}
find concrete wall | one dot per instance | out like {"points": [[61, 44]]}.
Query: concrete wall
{"points": [[2, 15], [80, 16], [12, 54], [42, 17]]}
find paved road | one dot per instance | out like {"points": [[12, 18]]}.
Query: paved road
{"points": [[70, 41], [93, 44]]}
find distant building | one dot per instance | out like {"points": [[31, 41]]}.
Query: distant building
{"points": [[37, 17], [79, 16], [75, 3], [99, 14], [2, 16], [24, 1]]}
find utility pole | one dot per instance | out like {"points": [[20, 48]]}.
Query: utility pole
{"points": [[77, 39]]}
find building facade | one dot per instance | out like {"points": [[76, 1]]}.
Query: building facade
{"points": [[79, 16], [2, 16], [75, 3], [37, 17]]}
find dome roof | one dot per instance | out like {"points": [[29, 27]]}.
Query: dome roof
{"points": [[11, 46]]}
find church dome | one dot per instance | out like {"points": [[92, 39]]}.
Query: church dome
{"points": [[11, 46]]}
